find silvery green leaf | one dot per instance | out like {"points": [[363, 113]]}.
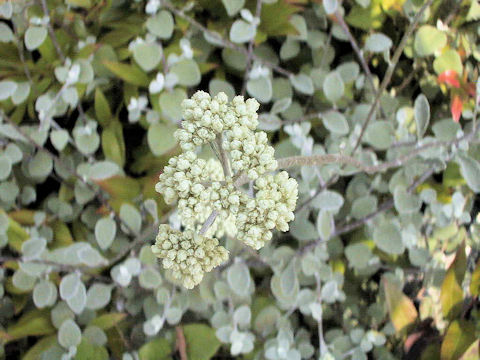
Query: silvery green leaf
{"points": [[33, 248], [6, 34], [98, 296], [290, 48], [269, 122], [238, 278], [21, 93], [70, 96], [363, 206], [131, 217], [302, 83], [170, 104], [120, 274], [41, 165], [242, 32], [87, 143], [59, 138], [91, 257], [34, 37], [147, 55], [187, 71], [388, 238], [378, 43], [8, 191], [266, 319], [329, 200], [78, 301], [150, 278], [349, 71], [358, 255], [95, 335], [22, 280], [329, 291], [101, 170], [333, 87], [418, 256], [288, 279], [302, 229], [325, 224], [260, 88], [5, 167], [330, 6], [105, 230], [300, 25], [316, 310], [161, 24], [69, 286], [422, 114], [281, 105], [380, 134], [6, 9], [335, 122], [173, 315], [233, 6], [69, 334], [7, 89], [217, 85], [60, 313], [405, 202], [242, 315], [44, 294], [4, 222], [82, 193], [152, 208], [160, 138], [14, 153], [470, 169]]}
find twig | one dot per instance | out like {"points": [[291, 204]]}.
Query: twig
{"points": [[355, 48], [223, 157], [181, 344], [391, 67], [321, 340], [250, 51], [53, 37], [209, 222]]}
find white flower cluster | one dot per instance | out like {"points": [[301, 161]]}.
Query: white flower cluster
{"points": [[202, 189], [273, 207], [205, 118], [187, 254], [250, 151]]}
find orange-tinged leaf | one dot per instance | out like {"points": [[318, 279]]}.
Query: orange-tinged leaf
{"points": [[451, 295], [449, 77], [400, 308], [456, 107], [460, 335]]}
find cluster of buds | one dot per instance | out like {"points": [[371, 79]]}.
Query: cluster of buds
{"points": [[211, 201], [187, 254]]}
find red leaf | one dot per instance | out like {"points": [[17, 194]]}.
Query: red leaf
{"points": [[449, 77], [456, 108]]}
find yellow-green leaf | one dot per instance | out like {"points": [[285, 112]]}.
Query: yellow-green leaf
{"points": [[33, 323], [120, 187], [128, 73], [157, 349], [102, 108], [473, 352], [113, 144], [107, 321], [400, 308], [451, 295], [201, 340], [460, 335], [35, 352], [475, 281]]}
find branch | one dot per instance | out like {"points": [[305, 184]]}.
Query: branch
{"points": [[391, 67], [181, 344], [209, 222]]}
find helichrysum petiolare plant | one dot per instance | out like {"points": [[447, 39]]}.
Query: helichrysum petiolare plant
{"points": [[209, 194]]}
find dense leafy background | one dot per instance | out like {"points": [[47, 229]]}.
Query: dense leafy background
{"points": [[381, 264]]}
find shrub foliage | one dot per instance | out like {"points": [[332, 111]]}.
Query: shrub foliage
{"points": [[370, 104]]}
